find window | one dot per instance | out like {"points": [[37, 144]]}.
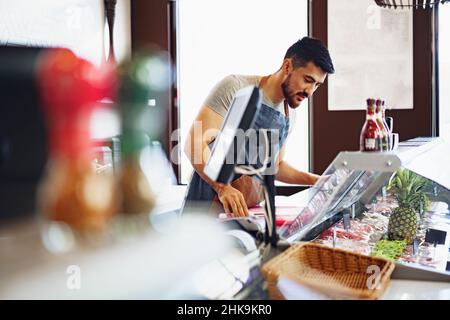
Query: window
{"points": [[444, 70], [221, 37], [75, 24]]}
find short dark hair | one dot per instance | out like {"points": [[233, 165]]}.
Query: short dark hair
{"points": [[310, 50]]}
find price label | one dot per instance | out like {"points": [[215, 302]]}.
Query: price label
{"points": [[346, 219], [435, 236]]}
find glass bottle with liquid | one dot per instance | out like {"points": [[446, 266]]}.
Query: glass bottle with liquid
{"points": [[370, 137], [389, 131], [383, 129]]}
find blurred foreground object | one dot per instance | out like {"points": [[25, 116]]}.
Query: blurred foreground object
{"points": [[152, 266], [23, 144], [137, 85], [72, 191]]}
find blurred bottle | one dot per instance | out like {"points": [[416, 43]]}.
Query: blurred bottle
{"points": [[370, 137], [383, 129], [134, 94], [72, 191]]}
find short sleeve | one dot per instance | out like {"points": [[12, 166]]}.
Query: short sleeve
{"points": [[220, 97]]}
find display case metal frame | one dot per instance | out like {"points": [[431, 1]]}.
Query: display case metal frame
{"points": [[365, 174]]}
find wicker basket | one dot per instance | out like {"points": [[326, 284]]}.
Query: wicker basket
{"points": [[336, 273]]}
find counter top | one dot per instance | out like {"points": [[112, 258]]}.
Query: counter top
{"points": [[40, 261], [417, 290], [144, 266], [397, 290]]}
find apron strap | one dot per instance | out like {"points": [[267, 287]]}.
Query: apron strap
{"points": [[262, 82], [286, 109]]}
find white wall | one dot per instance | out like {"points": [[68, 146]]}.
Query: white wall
{"points": [[372, 50]]}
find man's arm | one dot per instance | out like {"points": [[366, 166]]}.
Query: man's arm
{"points": [[288, 174], [204, 130]]}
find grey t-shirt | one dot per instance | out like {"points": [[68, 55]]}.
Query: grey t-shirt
{"points": [[220, 97]]}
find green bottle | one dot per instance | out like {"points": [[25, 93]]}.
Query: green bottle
{"points": [[135, 90]]}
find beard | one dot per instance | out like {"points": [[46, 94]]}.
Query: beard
{"points": [[290, 95]]}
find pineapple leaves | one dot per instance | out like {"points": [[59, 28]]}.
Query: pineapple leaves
{"points": [[410, 189]]}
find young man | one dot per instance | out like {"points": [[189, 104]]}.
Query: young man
{"points": [[305, 67]]}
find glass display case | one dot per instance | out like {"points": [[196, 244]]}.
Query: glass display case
{"points": [[392, 204]]}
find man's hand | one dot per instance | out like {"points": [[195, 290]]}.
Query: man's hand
{"points": [[314, 178], [232, 200], [288, 174]]}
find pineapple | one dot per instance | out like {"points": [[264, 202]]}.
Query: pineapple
{"points": [[403, 224], [409, 191]]}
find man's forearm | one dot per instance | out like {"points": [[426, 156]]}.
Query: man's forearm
{"points": [[288, 174], [198, 158], [199, 168]]}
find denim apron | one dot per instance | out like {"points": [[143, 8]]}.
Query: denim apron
{"points": [[200, 194]]}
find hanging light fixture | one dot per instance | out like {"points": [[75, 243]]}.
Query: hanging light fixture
{"points": [[110, 13], [416, 4]]}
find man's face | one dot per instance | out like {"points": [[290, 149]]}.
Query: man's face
{"points": [[301, 83]]}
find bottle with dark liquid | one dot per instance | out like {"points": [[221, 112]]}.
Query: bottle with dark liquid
{"points": [[383, 129], [370, 137]]}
